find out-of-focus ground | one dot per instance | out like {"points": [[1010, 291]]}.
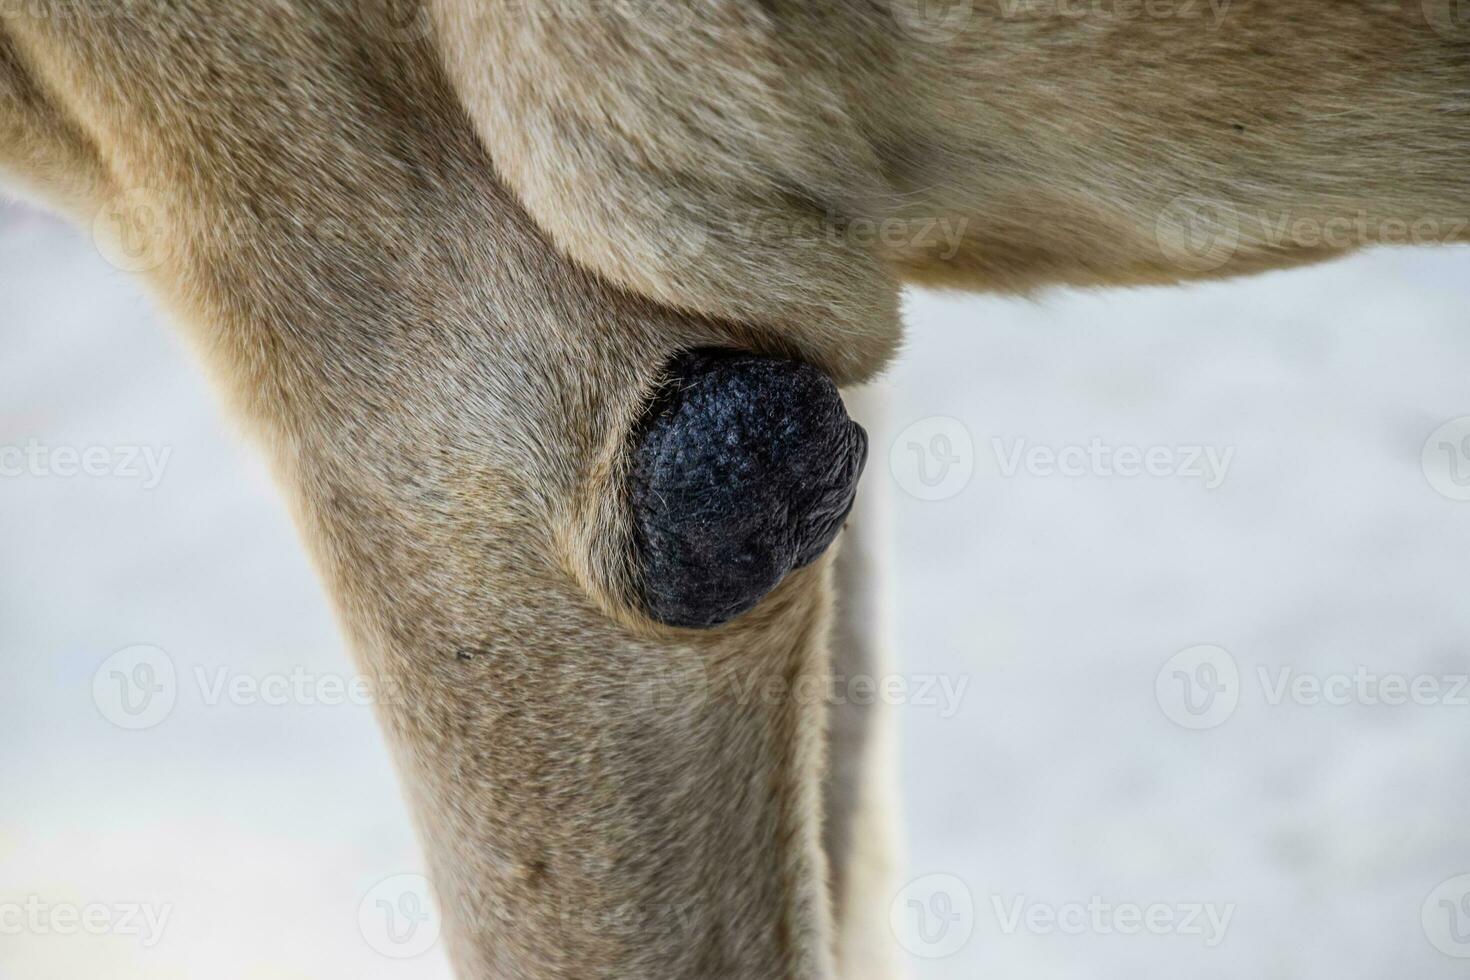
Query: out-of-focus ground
{"points": [[1063, 819]]}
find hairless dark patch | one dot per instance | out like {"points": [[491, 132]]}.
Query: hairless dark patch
{"points": [[744, 468]]}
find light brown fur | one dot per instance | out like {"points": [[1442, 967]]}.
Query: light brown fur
{"points": [[437, 262]]}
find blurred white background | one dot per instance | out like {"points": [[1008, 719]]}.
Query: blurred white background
{"points": [[1181, 815]]}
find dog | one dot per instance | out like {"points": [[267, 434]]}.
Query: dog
{"points": [[541, 309]]}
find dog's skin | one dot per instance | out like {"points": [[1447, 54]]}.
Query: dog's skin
{"points": [[440, 260]]}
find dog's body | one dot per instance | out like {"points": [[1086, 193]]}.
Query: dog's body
{"points": [[440, 260]]}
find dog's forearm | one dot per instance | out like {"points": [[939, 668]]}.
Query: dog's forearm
{"points": [[450, 403]]}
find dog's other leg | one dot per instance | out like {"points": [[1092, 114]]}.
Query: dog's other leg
{"points": [[41, 151], [1087, 145], [862, 811]]}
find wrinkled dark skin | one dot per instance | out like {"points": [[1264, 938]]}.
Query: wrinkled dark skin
{"points": [[744, 468]]}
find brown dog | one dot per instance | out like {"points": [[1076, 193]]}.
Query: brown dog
{"points": [[442, 258]]}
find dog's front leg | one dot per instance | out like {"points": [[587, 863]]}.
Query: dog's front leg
{"points": [[600, 794], [483, 451]]}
